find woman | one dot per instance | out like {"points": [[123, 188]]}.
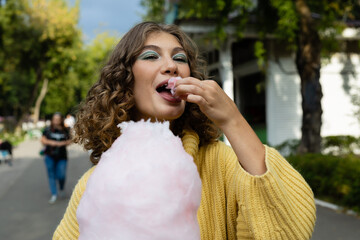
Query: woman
{"points": [[248, 191], [56, 138]]}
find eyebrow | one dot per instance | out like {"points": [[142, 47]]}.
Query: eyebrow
{"points": [[157, 48]]}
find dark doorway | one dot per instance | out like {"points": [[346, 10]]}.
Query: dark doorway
{"points": [[251, 102]]}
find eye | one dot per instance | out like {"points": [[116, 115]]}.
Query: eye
{"points": [[181, 57], [149, 55]]}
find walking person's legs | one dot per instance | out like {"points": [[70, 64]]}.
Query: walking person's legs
{"points": [[50, 166], [61, 174]]}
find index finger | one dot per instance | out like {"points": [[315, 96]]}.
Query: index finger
{"points": [[189, 81]]}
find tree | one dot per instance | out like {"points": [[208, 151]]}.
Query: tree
{"points": [[318, 24], [94, 56], [39, 38], [81, 76], [309, 27]]}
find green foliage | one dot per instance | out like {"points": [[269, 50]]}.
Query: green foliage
{"points": [[155, 10], [332, 178], [287, 20], [220, 12], [260, 54], [279, 17], [333, 175], [334, 145], [39, 40], [14, 139], [340, 145], [14, 91], [288, 147], [329, 18], [66, 93]]}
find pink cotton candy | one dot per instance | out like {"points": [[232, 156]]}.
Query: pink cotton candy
{"points": [[145, 187], [172, 83]]}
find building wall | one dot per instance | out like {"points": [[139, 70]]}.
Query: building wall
{"points": [[283, 101], [340, 79]]}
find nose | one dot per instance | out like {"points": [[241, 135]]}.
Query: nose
{"points": [[169, 67]]}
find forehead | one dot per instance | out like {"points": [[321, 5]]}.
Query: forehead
{"points": [[162, 39]]}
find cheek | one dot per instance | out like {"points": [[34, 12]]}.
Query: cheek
{"points": [[138, 80], [185, 70], [143, 74]]}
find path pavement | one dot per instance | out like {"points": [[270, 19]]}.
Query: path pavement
{"points": [[331, 225], [26, 215], [24, 193]]}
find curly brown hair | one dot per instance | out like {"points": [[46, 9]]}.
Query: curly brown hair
{"points": [[110, 100]]}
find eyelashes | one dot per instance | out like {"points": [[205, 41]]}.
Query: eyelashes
{"points": [[152, 55], [149, 55], [180, 57]]}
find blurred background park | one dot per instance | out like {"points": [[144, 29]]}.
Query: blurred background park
{"points": [[292, 68]]}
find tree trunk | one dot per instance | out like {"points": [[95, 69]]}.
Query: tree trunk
{"points": [[25, 110], [39, 100], [308, 65]]}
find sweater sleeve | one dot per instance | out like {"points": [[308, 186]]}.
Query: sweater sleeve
{"points": [[69, 227], [276, 205]]}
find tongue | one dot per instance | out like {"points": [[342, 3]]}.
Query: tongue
{"points": [[169, 97], [165, 93]]}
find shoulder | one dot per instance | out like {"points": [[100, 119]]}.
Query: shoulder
{"points": [[46, 131], [218, 154], [80, 187], [218, 149]]}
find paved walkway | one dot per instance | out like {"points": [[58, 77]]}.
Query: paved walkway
{"points": [[26, 215], [24, 193]]}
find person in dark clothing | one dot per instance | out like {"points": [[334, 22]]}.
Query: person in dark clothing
{"points": [[55, 138], [6, 151]]}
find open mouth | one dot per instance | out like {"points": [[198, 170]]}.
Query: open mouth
{"points": [[163, 88], [166, 92]]}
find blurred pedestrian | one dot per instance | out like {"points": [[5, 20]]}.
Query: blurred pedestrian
{"points": [[69, 121], [55, 138], [6, 151]]}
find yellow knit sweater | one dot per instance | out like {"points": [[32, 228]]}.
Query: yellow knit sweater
{"points": [[234, 204]]}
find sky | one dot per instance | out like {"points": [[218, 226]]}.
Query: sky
{"points": [[115, 16]]}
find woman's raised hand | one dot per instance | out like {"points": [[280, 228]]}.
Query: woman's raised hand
{"points": [[211, 99], [219, 108]]}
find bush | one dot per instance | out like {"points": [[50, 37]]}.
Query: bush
{"points": [[332, 178], [335, 145], [288, 147], [13, 138], [340, 145]]}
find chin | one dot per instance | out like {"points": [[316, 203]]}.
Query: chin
{"points": [[169, 116], [171, 113], [163, 113]]}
